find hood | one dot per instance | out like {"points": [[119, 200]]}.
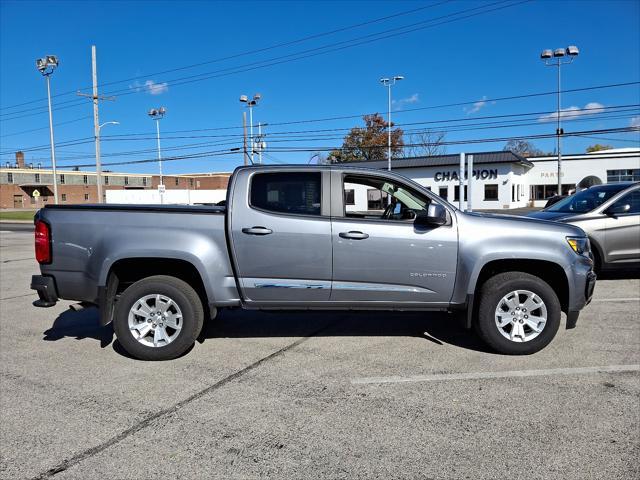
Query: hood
{"points": [[498, 220], [547, 215]]}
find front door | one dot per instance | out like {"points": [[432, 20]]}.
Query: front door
{"points": [[379, 255], [281, 236]]}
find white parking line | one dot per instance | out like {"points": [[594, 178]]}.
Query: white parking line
{"points": [[629, 299], [507, 374]]}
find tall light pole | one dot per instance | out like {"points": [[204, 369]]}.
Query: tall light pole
{"points": [[46, 65], [251, 103], [389, 82], [554, 58], [157, 114], [98, 163]]}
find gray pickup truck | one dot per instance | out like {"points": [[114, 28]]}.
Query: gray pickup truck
{"points": [[303, 238]]}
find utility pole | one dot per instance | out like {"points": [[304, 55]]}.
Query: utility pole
{"points": [[244, 136], [461, 184], [469, 182], [259, 143], [96, 120], [251, 103]]}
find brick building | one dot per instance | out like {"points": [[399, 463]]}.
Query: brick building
{"points": [[23, 186]]}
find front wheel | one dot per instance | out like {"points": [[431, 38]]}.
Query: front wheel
{"points": [[158, 318], [519, 313]]}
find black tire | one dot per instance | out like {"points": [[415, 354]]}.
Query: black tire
{"points": [[186, 299], [492, 293]]}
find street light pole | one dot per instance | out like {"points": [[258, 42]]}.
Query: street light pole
{"points": [[46, 66], [157, 114], [98, 162], [557, 55], [53, 149], [389, 82]]}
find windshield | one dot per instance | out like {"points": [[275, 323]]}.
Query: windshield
{"points": [[586, 200]]}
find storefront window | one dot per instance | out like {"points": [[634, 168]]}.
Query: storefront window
{"points": [[443, 192], [491, 191], [456, 193], [544, 192], [349, 197], [627, 175], [376, 199]]}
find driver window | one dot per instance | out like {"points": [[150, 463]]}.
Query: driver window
{"points": [[379, 199]]}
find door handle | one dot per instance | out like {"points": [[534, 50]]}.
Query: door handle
{"points": [[354, 235], [257, 230]]}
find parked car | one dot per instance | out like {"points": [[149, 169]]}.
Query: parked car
{"points": [[553, 200], [610, 216], [309, 238]]}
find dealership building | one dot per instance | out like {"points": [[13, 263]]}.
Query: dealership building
{"points": [[505, 180], [500, 180]]}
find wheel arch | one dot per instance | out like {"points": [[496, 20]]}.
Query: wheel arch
{"points": [[124, 272], [550, 272]]}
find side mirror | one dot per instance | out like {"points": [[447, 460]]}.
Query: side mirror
{"points": [[617, 209], [435, 215]]}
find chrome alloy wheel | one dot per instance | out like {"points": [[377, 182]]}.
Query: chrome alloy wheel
{"points": [[521, 316], [155, 320]]}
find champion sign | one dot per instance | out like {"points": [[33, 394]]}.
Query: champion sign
{"points": [[477, 174]]}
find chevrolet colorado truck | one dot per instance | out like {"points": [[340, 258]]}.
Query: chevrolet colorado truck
{"points": [[311, 238]]}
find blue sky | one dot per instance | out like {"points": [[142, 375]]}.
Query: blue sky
{"points": [[482, 57]]}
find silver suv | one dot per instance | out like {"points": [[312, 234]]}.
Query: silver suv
{"points": [[610, 216]]}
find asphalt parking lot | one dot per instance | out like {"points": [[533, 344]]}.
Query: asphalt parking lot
{"points": [[315, 395]]}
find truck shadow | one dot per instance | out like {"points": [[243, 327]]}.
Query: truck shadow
{"points": [[80, 325], [436, 328]]}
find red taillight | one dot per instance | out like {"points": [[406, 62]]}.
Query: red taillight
{"points": [[43, 242]]}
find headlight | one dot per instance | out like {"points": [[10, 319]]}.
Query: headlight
{"points": [[580, 245]]}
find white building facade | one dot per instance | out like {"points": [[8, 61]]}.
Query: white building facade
{"points": [[505, 180]]}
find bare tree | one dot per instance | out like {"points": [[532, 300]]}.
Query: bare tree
{"points": [[426, 143], [522, 147]]}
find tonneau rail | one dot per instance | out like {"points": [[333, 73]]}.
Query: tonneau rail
{"points": [[144, 208]]}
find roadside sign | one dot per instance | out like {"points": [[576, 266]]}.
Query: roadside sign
{"points": [[161, 189], [35, 194]]}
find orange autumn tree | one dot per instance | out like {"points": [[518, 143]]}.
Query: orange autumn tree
{"points": [[369, 142]]}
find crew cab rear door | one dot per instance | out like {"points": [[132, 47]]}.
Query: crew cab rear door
{"points": [[281, 235]]}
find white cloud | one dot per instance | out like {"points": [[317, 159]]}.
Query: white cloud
{"points": [[399, 104], [590, 108], [151, 87], [156, 88], [635, 122], [477, 106]]}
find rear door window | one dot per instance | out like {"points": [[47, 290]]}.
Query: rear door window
{"points": [[295, 193]]}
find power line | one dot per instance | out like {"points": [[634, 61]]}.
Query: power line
{"points": [[317, 149], [241, 54], [44, 128], [506, 120], [312, 52]]}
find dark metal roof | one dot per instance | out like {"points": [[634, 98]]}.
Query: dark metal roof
{"points": [[479, 158]]}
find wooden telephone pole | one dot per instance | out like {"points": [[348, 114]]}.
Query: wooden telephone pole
{"points": [[96, 122]]}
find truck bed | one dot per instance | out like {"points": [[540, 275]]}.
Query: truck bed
{"points": [[88, 240]]}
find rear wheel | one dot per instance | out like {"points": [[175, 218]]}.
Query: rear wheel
{"points": [[158, 318], [519, 313]]}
